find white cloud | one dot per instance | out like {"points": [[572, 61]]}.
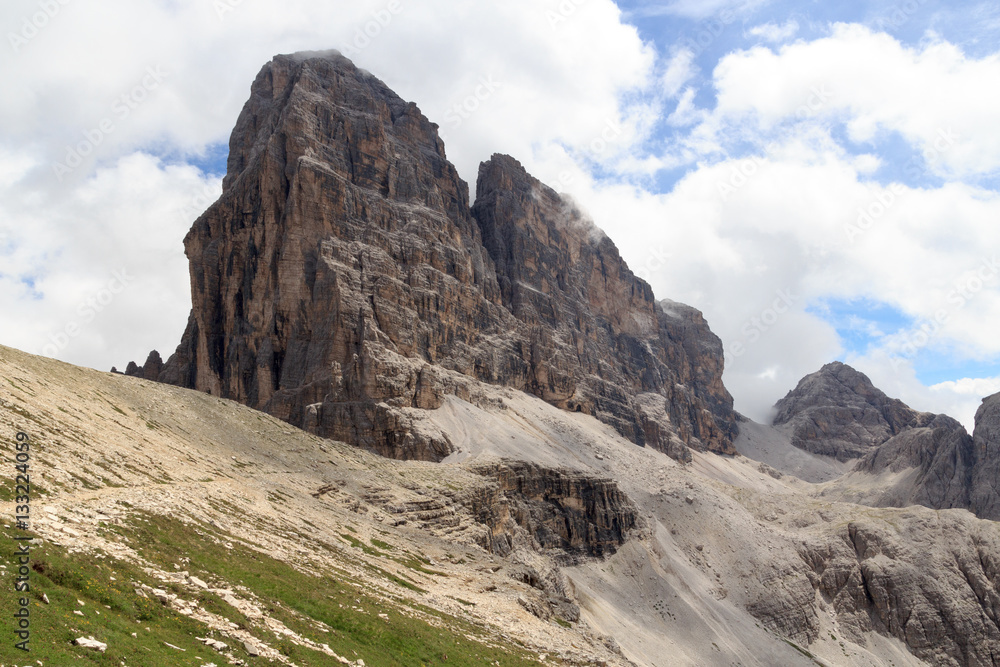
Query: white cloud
{"points": [[680, 70], [772, 32], [933, 96], [107, 271]]}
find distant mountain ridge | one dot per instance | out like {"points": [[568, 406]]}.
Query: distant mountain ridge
{"points": [[838, 412]]}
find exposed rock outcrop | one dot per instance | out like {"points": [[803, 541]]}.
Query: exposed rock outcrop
{"points": [[151, 370], [985, 493], [930, 581], [838, 412], [941, 458], [565, 513], [342, 281]]}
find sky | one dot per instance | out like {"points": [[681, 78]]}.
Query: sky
{"points": [[820, 179]]}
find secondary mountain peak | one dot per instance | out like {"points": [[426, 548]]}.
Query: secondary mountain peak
{"points": [[838, 412]]}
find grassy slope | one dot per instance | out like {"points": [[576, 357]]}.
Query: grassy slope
{"points": [[92, 431]]}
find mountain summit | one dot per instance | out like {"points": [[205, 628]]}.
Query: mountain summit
{"points": [[344, 284]]}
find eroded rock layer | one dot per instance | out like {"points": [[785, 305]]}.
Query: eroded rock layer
{"points": [[561, 512]]}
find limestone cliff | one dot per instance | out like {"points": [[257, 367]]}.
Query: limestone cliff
{"points": [[342, 281], [985, 491], [561, 512]]}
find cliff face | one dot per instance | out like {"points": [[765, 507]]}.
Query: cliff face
{"points": [[562, 512], [342, 280], [942, 453], [603, 337], [985, 492], [930, 582]]}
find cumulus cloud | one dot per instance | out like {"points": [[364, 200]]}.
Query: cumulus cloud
{"points": [[933, 96], [97, 275]]}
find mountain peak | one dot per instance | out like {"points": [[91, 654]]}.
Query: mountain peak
{"points": [[838, 412], [343, 283]]}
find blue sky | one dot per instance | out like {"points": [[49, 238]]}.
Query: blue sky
{"points": [[820, 179]]}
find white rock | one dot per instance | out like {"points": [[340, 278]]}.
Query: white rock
{"points": [[195, 581], [213, 643], [251, 649], [90, 642]]}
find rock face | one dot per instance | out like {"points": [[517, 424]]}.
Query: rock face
{"points": [[603, 337], [149, 371], [838, 412], [985, 493], [930, 582], [342, 283], [565, 513], [920, 458], [942, 457]]}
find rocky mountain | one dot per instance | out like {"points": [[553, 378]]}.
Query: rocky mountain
{"points": [[838, 412], [897, 456], [343, 283], [546, 538], [984, 496]]}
